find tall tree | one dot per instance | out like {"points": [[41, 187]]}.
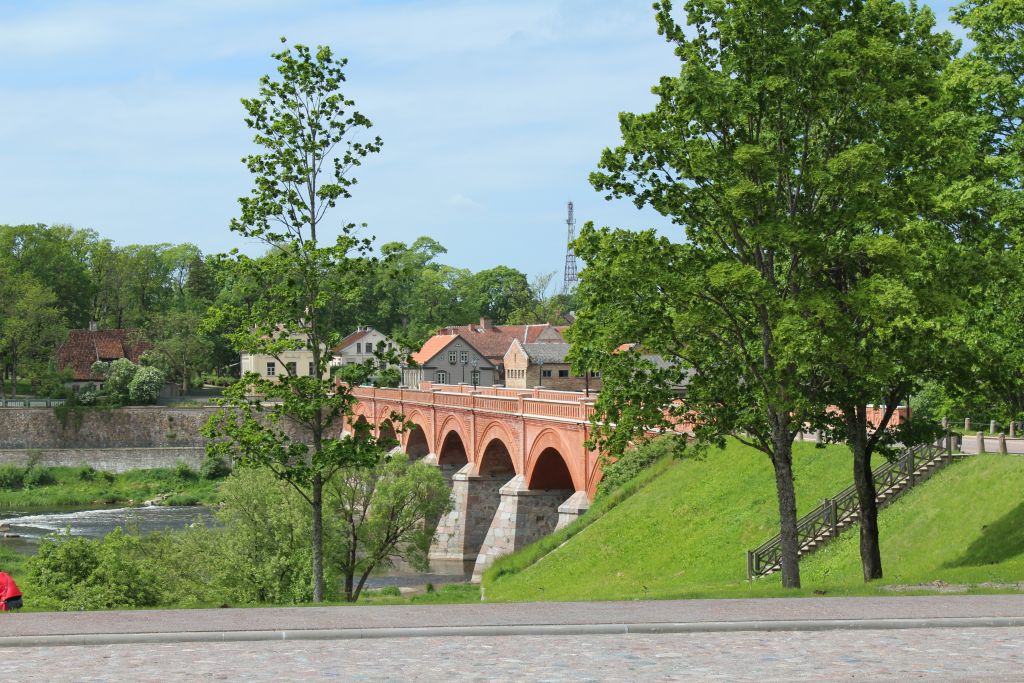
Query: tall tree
{"points": [[773, 149], [305, 128]]}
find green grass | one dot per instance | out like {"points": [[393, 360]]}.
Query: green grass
{"points": [[964, 526], [684, 534], [79, 486]]}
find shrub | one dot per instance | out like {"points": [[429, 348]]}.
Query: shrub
{"points": [[145, 385], [12, 477], [636, 460], [85, 473], [214, 467], [39, 476], [183, 472]]}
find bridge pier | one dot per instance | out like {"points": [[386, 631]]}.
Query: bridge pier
{"points": [[522, 517], [461, 532], [571, 509]]}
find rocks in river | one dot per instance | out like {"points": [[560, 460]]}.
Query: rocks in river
{"points": [[161, 499]]}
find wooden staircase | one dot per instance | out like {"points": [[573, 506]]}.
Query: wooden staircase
{"points": [[836, 514]]}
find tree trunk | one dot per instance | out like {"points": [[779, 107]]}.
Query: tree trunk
{"points": [[864, 482], [783, 464], [318, 537]]}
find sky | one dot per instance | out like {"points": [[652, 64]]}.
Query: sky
{"points": [[125, 117]]}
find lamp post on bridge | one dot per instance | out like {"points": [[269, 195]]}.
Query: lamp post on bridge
{"points": [[475, 375]]}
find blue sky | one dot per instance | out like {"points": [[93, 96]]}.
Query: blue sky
{"points": [[124, 117]]}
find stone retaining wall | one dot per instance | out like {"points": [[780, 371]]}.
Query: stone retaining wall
{"points": [[119, 428], [107, 459]]}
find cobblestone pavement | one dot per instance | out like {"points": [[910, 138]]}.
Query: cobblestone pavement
{"points": [[978, 654]]}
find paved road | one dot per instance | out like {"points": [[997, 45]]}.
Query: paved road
{"points": [[922, 638], [983, 654]]}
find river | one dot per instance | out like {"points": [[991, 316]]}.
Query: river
{"points": [[31, 526]]}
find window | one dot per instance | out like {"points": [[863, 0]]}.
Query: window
{"points": [[271, 369], [545, 373], [451, 357], [291, 368], [441, 377], [563, 373], [464, 357], [594, 373], [311, 373], [359, 347]]}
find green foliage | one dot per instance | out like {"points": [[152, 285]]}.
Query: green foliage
{"points": [[39, 476], [12, 477], [384, 512], [264, 555], [214, 467], [74, 573], [635, 461], [118, 379], [145, 385], [184, 472]]}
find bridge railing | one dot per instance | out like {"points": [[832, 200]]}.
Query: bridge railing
{"points": [[554, 405]]}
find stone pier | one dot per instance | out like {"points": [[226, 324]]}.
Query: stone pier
{"points": [[522, 517], [461, 532]]}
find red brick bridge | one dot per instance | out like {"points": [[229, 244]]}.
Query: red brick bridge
{"points": [[515, 458]]}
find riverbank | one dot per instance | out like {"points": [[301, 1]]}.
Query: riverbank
{"points": [[26, 488]]}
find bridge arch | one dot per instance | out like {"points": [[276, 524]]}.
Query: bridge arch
{"points": [[497, 432], [549, 466], [452, 440]]}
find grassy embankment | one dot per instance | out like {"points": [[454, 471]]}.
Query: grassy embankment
{"points": [[48, 487], [686, 532]]}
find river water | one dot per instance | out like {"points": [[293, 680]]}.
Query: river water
{"points": [[27, 528]]}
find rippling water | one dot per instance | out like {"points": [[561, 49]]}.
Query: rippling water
{"points": [[30, 527]]}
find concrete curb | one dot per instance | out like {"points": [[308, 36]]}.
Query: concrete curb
{"points": [[510, 630]]}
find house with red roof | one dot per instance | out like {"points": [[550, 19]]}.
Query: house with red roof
{"points": [[489, 341], [450, 359], [82, 348]]}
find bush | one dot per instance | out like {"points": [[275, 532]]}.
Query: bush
{"points": [[85, 473], [214, 467], [39, 476], [183, 472], [12, 477], [145, 385], [636, 460]]}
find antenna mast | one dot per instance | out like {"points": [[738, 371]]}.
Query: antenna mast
{"points": [[569, 281]]}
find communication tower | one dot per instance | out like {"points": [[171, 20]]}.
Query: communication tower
{"points": [[569, 281]]}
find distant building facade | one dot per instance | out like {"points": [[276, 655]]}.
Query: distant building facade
{"points": [[544, 364], [359, 346], [450, 359], [297, 362]]}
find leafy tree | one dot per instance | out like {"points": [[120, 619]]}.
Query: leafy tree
{"points": [[385, 513], [145, 385], [305, 128], [497, 293], [770, 148], [182, 347], [32, 326]]}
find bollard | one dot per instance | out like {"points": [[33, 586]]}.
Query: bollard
{"points": [[992, 427], [981, 442], [967, 424], [818, 438], [1013, 429], [1002, 443]]}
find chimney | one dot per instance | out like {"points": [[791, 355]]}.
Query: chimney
{"points": [[93, 326], [486, 324]]}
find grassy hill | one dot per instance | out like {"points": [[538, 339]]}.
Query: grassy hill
{"points": [[685, 533], [963, 526]]}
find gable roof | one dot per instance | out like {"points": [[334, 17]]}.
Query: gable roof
{"points": [[493, 341], [82, 348], [439, 342], [546, 352]]}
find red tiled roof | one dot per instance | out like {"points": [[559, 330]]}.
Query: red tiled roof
{"points": [[432, 347], [493, 341], [84, 347]]}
